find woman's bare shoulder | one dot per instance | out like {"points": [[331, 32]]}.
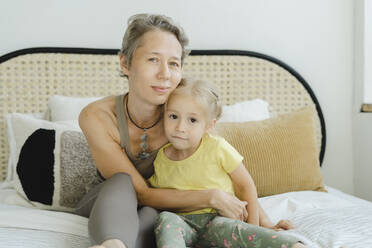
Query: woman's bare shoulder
{"points": [[99, 109], [99, 115]]}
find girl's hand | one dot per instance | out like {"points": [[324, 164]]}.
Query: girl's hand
{"points": [[228, 205], [284, 225], [280, 226]]}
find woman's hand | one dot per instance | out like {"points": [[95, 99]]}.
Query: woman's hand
{"points": [[228, 205]]}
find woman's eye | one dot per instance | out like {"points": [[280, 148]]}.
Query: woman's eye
{"points": [[193, 120], [173, 116], [175, 64], [153, 59]]}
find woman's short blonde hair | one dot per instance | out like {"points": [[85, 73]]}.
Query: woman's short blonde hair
{"points": [[140, 24], [203, 92]]}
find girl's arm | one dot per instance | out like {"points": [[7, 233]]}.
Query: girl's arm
{"points": [[110, 159], [245, 181], [266, 222], [245, 189]]}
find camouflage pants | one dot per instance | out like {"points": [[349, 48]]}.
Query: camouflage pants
{"points": [[210, 230]]}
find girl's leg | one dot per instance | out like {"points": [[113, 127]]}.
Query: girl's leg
{"points": [[114, 212], [225, 232], [172, 231]]}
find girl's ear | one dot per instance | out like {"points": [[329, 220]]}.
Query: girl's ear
{"points": [[124, 65], [210, 127]]}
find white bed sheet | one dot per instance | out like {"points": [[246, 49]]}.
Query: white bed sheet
{"points": [[323, 220]]}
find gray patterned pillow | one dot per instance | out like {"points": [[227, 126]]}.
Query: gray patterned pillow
{"points": [[78, 171]]}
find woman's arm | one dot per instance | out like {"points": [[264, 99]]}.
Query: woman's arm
{"points": [[110, 159], [189, 200], [246, 191]]}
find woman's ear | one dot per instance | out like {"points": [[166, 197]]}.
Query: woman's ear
{"points": [[124, 65]]}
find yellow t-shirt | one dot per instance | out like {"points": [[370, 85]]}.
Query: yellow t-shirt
{"points": [[207, 168]]}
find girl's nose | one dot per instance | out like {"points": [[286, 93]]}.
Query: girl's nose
{"points": [[180, 126]]}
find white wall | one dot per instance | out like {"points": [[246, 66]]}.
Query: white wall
{"points": [[315, 37], [362, 122], [367, 11]]}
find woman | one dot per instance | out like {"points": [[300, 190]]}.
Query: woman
{"points": [[124, 134]]}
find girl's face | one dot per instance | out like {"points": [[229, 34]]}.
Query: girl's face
{"points": [[155, 70], [185, 123]]}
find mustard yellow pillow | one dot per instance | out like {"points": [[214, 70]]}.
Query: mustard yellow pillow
{"points": [[280, 153]]}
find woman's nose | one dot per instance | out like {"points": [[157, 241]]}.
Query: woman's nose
{"points": [[164, 72]]}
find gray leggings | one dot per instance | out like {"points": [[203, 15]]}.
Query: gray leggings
{"points": [[114, 214]]}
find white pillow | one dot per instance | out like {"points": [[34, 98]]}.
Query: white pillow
{"points": [[254, 110], [50, 165], [64, 108], [20, 126], [68, 108]]}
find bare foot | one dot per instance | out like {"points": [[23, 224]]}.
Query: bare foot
{"points": [[110, 243], [298, 245]]}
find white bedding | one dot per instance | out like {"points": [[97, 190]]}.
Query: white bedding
{"points": [[323, 220]]}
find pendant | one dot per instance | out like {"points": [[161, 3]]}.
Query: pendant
{"points": [[144, 137], [143, 154], [143, 146]]}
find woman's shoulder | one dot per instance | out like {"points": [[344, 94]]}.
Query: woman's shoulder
{"points": [[98, 113], [100, 107]]}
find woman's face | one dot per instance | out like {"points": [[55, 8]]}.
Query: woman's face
{"points": [[155, 70]]}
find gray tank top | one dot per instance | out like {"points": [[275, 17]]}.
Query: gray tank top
{"points": [[144, 166]]}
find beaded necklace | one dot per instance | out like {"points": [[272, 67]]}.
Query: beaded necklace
{"points": [[142, 154]]}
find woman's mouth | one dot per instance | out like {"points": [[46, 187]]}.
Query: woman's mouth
{"points": [[160, 89]]}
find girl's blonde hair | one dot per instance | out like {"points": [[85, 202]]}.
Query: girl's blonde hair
{"points": [[140, 24], [205, 93]]}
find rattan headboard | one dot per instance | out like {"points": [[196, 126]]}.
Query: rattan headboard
{"points": [[29, 77]]}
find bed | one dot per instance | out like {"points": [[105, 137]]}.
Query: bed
{"points": [[38, 192]]}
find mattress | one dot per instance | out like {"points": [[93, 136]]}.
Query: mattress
{"points": [[323, 220]]}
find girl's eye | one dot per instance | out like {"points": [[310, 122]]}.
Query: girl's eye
{"points": [[153, 59], [173, 116], [193, 120]]}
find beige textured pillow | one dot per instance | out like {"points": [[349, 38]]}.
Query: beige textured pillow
{"points": [[280, 153]]}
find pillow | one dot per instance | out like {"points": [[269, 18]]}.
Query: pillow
{"points": [[50, 163], [253, 110], [9, 175], [68, 108], [280, 153], [64, 108]]}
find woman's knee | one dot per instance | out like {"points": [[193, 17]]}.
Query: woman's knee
{"points": [[120, 178], [148, 213], [117, 188], [147, 217], [119, 184], [117, 195]]}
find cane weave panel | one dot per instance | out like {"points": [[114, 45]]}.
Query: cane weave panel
{"points": [[27, 81]]}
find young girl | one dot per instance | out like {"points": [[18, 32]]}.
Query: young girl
{"points": [[197, 160]]}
